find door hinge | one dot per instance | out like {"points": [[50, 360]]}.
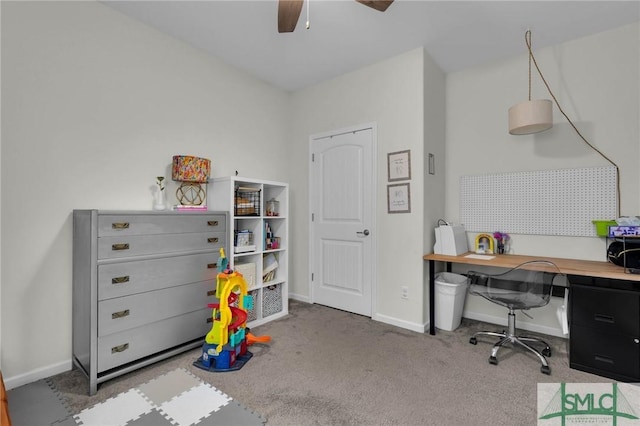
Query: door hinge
{"points": [[312, 217], [313, 157], [312, 276]]}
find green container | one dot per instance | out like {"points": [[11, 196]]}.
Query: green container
{"points": [[602, 227]]}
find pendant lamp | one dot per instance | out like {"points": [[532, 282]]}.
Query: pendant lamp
{"points": [[531, 116], [536, 116]]}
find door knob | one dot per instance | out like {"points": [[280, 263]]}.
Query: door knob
{"points": [[365, 232]]}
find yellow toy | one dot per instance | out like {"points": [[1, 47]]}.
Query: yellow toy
{"points": [[225, 347], [225, 286]]}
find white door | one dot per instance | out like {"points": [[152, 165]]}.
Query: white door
{"points": [[342, 200]]}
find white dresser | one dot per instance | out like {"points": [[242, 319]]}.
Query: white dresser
{"points": [[141, 284]]}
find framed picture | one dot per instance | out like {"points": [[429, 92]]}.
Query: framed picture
{"points": [[399, 165], [398, 198]]}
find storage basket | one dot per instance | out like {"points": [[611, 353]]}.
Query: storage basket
{"points": [[252, 314], [248, 271], [246, 201], [271, 300]]}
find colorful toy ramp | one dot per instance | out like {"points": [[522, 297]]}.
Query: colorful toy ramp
{"points": [[225, 347]]}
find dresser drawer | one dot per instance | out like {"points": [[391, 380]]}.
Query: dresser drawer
{"points": [[612, 355], [123, 313], [130, 345], [126, 278], [138, 245], [149, 224], [605, 310]]}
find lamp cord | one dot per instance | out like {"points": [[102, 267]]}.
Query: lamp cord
{"points": [[527, 38]]}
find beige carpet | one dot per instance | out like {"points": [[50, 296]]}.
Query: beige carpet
{"points": [[328, 367]]}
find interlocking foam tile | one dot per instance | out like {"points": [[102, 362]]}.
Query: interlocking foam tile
{"points": [[177, 398], [116, 411], [153, 418], [51, 407], [192, 406], [233, 414], [169, 385]]}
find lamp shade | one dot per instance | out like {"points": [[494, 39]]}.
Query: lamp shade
{"points": [[187, 168], [530, 117]]}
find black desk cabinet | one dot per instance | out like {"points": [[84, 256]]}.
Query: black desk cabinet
{"points": [[605, 327]]}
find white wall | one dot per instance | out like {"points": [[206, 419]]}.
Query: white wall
{"points": [[389, 93], [94, 107], [596, 80], [434, 116]]}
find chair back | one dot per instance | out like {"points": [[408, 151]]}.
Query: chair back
{"points": [[526, 286]]}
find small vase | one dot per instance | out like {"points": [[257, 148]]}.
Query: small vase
{"points": [[158, 200], [500, 248]]}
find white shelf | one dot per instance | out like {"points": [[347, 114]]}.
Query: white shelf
{"points": [[270, 297]]}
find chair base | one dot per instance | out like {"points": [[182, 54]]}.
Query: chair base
{"points": [[509, 336]]}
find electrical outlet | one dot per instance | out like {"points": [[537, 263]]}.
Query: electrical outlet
{"points": [[404, 292]]}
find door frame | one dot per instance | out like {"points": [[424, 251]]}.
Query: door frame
{"points": [[374, 201]]}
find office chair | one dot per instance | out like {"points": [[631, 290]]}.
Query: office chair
{"points": [[526, 286]]}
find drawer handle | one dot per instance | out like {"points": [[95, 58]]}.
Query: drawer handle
{"points": [[211, 293], [123, 246], [212, 265], [120, 314], [120, 348], [604, 359], [212, 240], [212, 222], [120, 280], [120, 225], [604, 318]]}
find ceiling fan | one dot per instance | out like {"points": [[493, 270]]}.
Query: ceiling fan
{"points": [[289, 12]]}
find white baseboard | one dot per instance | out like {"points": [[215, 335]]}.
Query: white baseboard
{"points": [[35, 375], [300, 298], [419, 328], [491, 319]]}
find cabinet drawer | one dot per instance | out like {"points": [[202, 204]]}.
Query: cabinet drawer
{"points": [[606, 310], [137, 245], [126, 278], [124, 224], [605, 352], [130, 345], [123, 313]]}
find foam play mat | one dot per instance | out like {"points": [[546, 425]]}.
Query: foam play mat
{"points": [[176, 398]]}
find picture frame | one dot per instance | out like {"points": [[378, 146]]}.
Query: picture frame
{"points": [[399, 165], [399, 198]]}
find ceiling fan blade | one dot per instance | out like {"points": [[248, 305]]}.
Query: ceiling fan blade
{"points": [[288, 14], [380, 5]]}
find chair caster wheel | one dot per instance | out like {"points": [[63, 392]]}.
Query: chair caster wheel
{"points": [[493, 360], [545, 369], [546, 351], [473, 341]]}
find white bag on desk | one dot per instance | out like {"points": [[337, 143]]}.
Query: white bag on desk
{"points": [[451, 239]]}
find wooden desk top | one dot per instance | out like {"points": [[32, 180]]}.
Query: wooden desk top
{"points": [[589, 268]]}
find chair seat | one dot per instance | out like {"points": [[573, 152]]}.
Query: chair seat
{"points": [[508, 298]]}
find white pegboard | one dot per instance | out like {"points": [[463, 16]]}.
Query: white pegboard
{"points": [[548, 202]]}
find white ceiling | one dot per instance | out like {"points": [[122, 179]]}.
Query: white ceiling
{"points": [[346, 35]]}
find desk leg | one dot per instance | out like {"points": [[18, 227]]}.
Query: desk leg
{"points": [[432, 297]]}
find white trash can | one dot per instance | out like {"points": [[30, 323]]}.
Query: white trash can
{"points": [[450, 291]]}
